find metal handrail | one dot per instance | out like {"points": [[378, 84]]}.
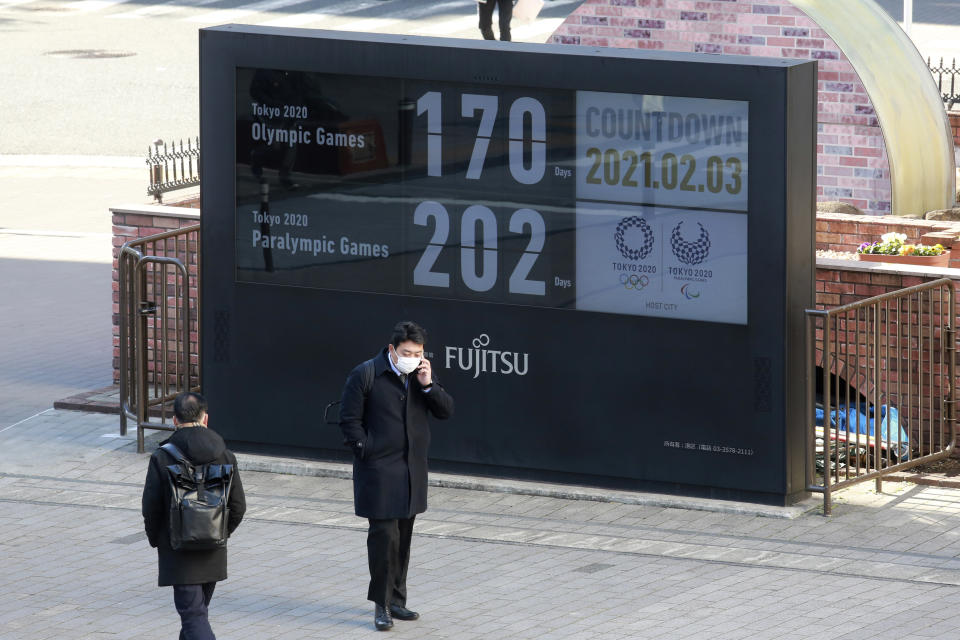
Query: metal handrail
{"points": [[141, 347], [878, 338]]}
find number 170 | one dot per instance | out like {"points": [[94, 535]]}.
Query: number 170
{"points": [[430, 104]]}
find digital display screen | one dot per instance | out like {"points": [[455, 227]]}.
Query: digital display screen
{"points": [[592, 201]]}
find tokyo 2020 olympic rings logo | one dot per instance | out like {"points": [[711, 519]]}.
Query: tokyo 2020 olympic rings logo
{"points": [[634, 282], [481, 340], [626, 250], [690, 252]]}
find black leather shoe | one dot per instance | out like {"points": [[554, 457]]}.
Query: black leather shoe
{"points": [[402, 613], [381, 618]]}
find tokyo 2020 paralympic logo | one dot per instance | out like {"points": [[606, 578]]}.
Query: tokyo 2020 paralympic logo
{"points": [[690, 252], [646, 246]]}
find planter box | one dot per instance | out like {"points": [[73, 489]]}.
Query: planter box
{"points": [[942, 260]]}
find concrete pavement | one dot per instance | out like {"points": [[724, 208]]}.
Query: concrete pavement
{"points": [[55, 264], [486, 564]]}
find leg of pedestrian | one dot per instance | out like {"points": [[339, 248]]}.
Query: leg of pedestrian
{"points": [[383, 538], [398, 601], [505, 13], [191, 601], [485, 11]]}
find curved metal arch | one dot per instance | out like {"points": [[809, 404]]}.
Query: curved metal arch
{"points": [[906, 100]]}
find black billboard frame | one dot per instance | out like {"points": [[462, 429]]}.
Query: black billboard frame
{"points": [[769, 376]]}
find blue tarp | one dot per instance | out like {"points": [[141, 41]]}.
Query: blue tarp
{"points": [[861, 418]]}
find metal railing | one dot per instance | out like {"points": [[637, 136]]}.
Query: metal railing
{"points": [[887, 388], [159, 330], [948, 81], [173, 169]]}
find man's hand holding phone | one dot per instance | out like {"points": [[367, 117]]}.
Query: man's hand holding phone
{"points": [[424, 373]]}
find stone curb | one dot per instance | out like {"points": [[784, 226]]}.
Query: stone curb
{"points": [[77, 404], [295, 467], [84, 402], [266, 464], [919, 478], [94, 402], [292, 466]]}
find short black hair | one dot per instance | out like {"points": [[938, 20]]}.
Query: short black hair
{"points": [[189, 407], [407, 330]]}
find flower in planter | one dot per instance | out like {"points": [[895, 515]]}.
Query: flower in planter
{"points": [[893, 237], [922, 250], [892, 244]]}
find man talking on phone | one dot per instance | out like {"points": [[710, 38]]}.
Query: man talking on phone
{"points": [[383, 416]]}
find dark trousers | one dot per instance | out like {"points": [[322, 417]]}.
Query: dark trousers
{"points": [[388, 553], [505, 12], [192, 601]]}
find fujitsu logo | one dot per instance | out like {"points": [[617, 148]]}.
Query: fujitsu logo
{"points": [[481, 360]]}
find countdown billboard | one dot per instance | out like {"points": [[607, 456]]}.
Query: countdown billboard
{"points": [[597, 242]]}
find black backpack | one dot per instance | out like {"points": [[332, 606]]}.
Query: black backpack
{"points": [[198, 502]]}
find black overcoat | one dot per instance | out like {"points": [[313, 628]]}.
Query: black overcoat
{"points": [[200, 445], [390, 475]]}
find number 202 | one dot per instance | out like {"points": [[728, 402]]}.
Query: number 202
{"points": [[484, 278]]}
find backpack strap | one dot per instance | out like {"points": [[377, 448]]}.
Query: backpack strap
{"points": [[369, 369], [199, 471], [366, 384], [173, 450]]}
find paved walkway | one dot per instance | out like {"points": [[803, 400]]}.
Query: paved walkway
{"points": [[486, 564], [55, 262]]}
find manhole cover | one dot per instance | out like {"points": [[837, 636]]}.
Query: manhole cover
{"points": [[130, 539], [89, 54], [593, 568]]}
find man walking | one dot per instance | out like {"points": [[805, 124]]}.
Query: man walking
{"points": [[505, 15], [383, 416], [193, 573]]}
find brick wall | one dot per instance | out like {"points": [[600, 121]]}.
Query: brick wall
{"points": [[841, 282], [131, 223], [842, 232], [852, 164], [954, 117]]}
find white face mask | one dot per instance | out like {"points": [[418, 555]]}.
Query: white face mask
{"points": [[406, 365]]}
